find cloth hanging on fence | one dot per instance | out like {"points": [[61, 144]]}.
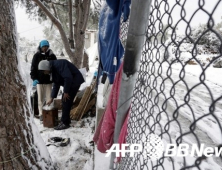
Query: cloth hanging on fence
{"points": [[110, 46], [122, 135], [104, 134]]}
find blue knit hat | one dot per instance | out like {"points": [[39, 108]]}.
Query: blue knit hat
{"points": [[44, 43]]}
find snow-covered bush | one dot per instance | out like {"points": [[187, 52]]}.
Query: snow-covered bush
{"points": [[207, 40]]}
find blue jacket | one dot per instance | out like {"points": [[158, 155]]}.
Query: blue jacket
{"points": [[110, 46], [64, 74]]}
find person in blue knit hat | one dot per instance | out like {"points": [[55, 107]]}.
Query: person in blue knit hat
{"points": [[42, 81]]}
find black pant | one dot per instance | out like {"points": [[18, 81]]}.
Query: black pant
{"points": [[66, 106]]}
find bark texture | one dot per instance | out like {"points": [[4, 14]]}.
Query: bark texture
{"points": [[86, 61], [82, 14], [17, 149], [71, 36]]}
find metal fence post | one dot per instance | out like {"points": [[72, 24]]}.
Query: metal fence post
{"points": [[135, 41]]}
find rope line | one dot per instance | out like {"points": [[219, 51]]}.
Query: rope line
{"points": [[12, 159]]}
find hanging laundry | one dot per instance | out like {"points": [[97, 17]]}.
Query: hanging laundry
{"points": [[110, 46], [104, 134]]}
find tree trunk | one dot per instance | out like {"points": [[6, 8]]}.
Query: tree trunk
{"points": [[19, 149], [86, 61], [71, 37], [82, 14], [61, 31]]}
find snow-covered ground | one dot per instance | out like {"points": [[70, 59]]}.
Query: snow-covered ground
{"points": [[172, 86], [204, 89], [80, 155], [200, 100]]}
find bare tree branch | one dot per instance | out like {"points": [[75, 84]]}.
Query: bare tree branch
{"points": [[54, 9], [86, 14], [56, 3], [60, 28], [71, 37]]}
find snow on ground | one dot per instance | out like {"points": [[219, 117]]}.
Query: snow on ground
{"points": [[193, 95], [101, 162], [93, 53], [79, 154], [200, 97]]}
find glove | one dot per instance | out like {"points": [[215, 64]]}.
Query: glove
{"points": [[35, 82]]}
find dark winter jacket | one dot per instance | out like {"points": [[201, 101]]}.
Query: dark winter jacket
{"points": [[64, 74], [38, 74]]}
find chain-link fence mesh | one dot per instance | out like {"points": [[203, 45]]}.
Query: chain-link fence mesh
{"points": [[124, 31], [178, 93]]}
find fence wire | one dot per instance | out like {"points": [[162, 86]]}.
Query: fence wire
{"points": [[124, 31], [178, 93]]}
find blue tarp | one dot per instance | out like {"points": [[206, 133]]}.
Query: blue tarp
{"points": [[110, 47]]}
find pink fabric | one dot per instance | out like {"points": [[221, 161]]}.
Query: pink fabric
{"points": [[103, 136], [123, 133]]}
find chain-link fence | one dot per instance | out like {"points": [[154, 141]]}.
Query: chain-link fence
{"points": [[178, 93], [123, 31]]}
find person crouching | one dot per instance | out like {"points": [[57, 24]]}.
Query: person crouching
{"points": [[63, 73]]}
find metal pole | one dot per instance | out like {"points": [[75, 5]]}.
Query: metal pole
{"points": [[135, 40]]}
